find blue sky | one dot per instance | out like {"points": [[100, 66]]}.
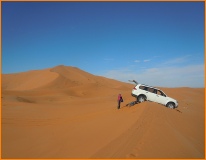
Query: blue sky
{"points": [[156, 43]]}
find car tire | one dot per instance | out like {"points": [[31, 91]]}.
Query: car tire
{"points": [[141, 99], [170, 105]]}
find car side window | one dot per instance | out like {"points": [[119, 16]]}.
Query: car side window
{"points": [[146, 88], [151, 90], [143, 88]]}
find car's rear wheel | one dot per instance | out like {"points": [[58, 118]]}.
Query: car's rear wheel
{"points": [[141, 99], [171, 105]]}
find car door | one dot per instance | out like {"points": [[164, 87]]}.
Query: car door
{"points": [[151, 96], [160, 97]]}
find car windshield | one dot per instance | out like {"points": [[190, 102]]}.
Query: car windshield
{"points": [[161, 93]]}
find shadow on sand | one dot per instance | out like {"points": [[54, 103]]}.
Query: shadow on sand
{"points": [[136, 102], [131, 104]]}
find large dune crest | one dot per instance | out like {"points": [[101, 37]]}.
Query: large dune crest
{"points": [[27, 80], [67, 81], [59, 77]]}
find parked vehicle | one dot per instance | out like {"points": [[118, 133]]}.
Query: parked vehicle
{"points": [[147, 93]]}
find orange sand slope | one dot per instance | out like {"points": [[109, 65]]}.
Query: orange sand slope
{"points": [[65, 112]]}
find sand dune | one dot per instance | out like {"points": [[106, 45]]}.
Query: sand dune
{"points": [[27, 80], [64, 112]]}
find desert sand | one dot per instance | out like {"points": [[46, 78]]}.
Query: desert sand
{"points": [[64, 112]]}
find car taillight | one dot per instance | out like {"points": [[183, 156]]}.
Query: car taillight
{"points": [[134, 88]]}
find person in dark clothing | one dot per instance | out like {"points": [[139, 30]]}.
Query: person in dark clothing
{"points": [[119, 100]]}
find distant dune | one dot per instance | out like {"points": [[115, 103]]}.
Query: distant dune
{"points": [[64, 112]]}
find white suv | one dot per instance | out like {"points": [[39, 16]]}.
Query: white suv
{"points": [[147, 93]]}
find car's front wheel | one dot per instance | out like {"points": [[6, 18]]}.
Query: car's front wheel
{"points": [[171, 105], [141, 99]]}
